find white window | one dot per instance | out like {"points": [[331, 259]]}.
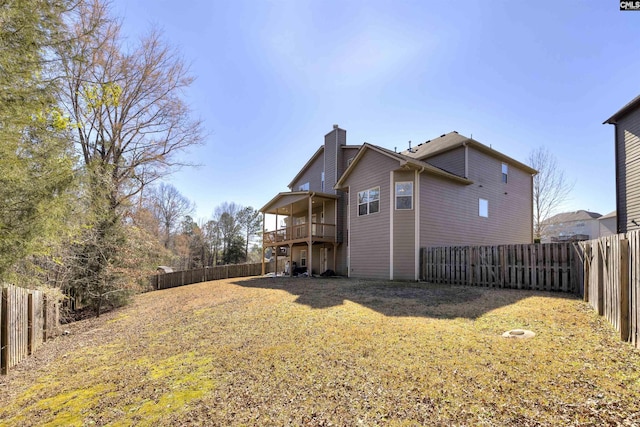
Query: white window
{"points": [[483, 208], [303, 258], [304, 187], [404, 195], [505, 172], [322, 181], [369, 201]]}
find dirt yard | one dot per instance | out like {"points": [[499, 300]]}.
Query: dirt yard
{"points": [[279, 351]]}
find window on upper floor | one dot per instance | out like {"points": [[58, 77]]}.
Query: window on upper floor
{"points": [[505, 172], [404, 195], [483, 208], [369, 201], [322, 181], [304, 187]]}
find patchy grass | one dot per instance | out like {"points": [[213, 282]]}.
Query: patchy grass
{"points": [[331, 352]]}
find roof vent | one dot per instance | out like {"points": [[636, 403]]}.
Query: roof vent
{"points": [[444, 134], [335, 126]]}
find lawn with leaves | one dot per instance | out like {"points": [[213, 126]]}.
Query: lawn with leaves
{"points": [[279, 351]]}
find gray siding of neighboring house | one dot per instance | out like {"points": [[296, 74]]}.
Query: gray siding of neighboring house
{"points": [[586, 227], [404, 233], [313, 175], [449, 211], [451, 161], [369, 234], [628, 171]]}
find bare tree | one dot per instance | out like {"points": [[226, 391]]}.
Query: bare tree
{"points": [[126, 104], [129, 119], [169, 206], [550, 188]]}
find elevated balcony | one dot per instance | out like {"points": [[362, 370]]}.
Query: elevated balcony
{"points": [[301, 217]]}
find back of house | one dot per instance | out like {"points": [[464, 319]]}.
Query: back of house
{"points": [[386, 205]]}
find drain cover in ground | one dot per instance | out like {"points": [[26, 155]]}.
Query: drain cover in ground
{"points": [[518, 333]]}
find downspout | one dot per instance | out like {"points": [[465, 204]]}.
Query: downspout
{"points": [[417, 223], [391, 211], [466, 160], [263, 230], [310, 255]]}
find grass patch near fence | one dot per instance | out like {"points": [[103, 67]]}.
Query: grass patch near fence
{"points": [[280, 351]]}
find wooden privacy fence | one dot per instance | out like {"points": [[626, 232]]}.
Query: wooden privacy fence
{"points": [[545, 267], [188, 277], [27, 319], [612, 281]]}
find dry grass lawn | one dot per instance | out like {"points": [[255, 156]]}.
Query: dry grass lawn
{"points": [[331, 352]]}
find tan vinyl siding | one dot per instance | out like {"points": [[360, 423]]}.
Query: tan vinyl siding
{"points": [[369, 234], [628, 171], [333, 157], [451, 161], [313, 175], [347, 153], [449, 211], [404, 234]]}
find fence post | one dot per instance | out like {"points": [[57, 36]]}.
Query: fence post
{"points": [[4, 332], [624, 289], [30, 331], [586, 254], [600, 277]]}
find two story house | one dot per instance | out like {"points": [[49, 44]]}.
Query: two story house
{"points": [[365, 211], [627, 149]]}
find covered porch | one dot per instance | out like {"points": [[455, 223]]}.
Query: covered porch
{"points": [[301, 226]]}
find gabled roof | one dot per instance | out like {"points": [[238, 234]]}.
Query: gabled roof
{"points": [[403, 160], [580, 215], [452, 140], [634, 104], [306, 165], [609, 215], [289, 198]]}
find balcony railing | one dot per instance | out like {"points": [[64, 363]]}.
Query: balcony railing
{"points": [[320, 231]]}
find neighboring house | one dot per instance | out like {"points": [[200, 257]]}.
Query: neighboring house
{"points": [[608, 224], [627, 149], [365, 211], [571, 227]]}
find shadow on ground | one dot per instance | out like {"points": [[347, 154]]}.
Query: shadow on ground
{"points": [[397, 298]]}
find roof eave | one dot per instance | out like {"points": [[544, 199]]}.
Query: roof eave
{"points": [[633, 104]]}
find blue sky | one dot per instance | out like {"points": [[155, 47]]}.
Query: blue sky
{"points": [[274, 76]]}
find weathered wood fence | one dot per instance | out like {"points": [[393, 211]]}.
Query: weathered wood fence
{"points": [[27, 319], [612, 281], [188, 277], [545, 267]]}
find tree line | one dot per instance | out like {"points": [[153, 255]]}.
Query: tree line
{"points": [[90, 124]]}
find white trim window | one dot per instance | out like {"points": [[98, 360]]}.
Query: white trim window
{"points": [[404, 195], [505, 172], [304, 187], [369, 201], [483, 208], [303, 258]]}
